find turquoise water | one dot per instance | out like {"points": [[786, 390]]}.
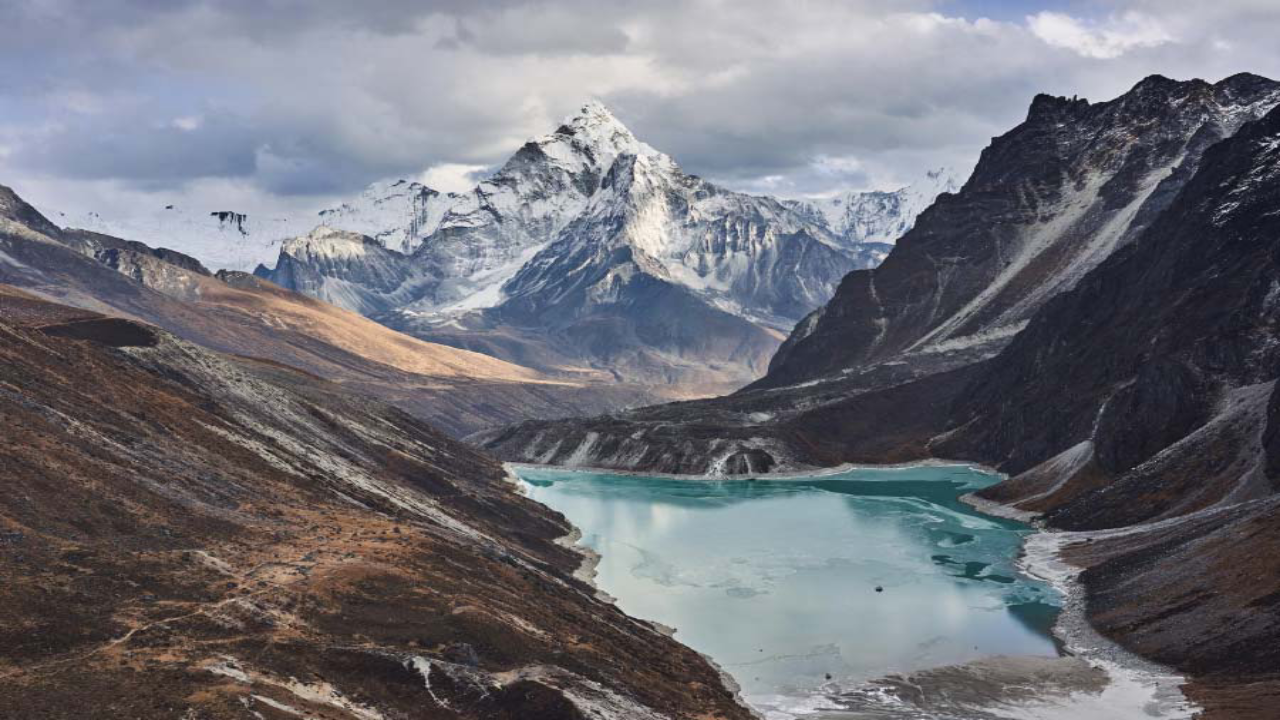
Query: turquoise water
{"points": [[776, 580]]}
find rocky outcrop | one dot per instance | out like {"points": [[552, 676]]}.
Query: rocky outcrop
{"points": [[854, 420], [345, 269], [105, 247]]}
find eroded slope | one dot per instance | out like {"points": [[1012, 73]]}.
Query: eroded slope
{"points": [[185, 534]]}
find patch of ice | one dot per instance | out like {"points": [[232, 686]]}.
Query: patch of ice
{"points": [[227, 667], [792, 707], [1138, 688]]}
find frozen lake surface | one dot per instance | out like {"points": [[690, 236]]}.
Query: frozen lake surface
{"points": [[802, 587]]}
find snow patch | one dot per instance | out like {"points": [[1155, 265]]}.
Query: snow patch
{"points": [[8, 260], [582, 454]]}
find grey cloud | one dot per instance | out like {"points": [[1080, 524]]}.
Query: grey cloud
{"points": [[317, 97], [143, 151]]}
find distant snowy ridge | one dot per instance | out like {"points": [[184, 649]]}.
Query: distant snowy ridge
{"points": [[587, 248], [218, 238], [877, 216], [752, 256], [402, 213]]}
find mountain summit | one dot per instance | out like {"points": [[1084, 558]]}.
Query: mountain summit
{"points": [[588, 249]]}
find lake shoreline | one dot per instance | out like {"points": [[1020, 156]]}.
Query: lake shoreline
{"points": [[790, 475], [586, 572], [1039, 558]]}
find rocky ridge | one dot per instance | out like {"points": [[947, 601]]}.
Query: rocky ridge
{"points": [[188, 534]]}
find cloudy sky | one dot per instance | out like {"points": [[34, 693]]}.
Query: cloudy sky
{"points": [[123, 106]]}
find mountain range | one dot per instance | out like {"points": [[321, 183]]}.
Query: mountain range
{"points": [[234, 312], [225, 493], [587, 251], [590, 249], [1093, 314]]}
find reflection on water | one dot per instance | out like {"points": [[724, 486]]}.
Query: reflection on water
{"points": [[796, 586]]}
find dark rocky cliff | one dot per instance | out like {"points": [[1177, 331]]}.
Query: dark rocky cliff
{"points": [[1174, 339], [1047, 202]]}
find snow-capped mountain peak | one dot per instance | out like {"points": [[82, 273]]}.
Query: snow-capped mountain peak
{"points": [[878, 216], [391, 211], [330, 243], [595, 128], [749, 256], [588, 203], [594, 113], [571, 161]]}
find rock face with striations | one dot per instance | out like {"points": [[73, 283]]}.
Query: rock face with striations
{"points": [[346, 269], [1145, 399], [1047, 203], [1159, 366]]}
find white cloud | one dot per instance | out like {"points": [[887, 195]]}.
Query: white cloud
{"points": [[298, 103], [1110, 39], [452, 177]]}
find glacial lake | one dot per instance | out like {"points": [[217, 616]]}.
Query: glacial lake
{"points": [[776, 580]]}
